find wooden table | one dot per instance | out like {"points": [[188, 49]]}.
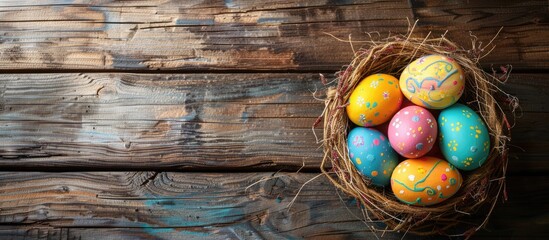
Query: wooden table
{"points": [[190, 119]]}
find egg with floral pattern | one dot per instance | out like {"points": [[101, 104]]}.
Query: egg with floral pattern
{"points": [[464, 138], [425, 181], [412, 131], [371, 154], [432, 81], [374, 100]]}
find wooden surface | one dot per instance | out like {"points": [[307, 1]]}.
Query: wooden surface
{"points": [[277, 35], [189, 119], [248, 205]]}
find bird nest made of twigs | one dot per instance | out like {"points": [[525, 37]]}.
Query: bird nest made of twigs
{"points": [[471, 206]]}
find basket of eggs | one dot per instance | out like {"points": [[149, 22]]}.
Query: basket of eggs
{"points": [[413, 130]]}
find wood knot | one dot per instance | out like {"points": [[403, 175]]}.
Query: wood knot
{"points": [[64, 189], [274, 187]]}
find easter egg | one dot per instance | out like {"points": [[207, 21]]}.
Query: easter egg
{"points": [[425, 181], [432, 81], [412, 131], [464, 139], [374, 100], [371, 154]]}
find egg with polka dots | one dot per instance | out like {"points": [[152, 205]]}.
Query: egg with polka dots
{"points": [[374, 100], [464, 139], [425, 181], [372, 155], [412, 131]]}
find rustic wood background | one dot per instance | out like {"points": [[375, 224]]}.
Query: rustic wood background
{"points": [[154, 119]]}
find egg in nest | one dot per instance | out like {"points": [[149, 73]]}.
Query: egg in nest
{"points": [[425, 181]]}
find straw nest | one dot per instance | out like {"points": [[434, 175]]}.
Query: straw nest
{"points": [[471, 206]]}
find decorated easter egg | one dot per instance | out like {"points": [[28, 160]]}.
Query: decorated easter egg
{"points": [[432, 81], [425, 181], [374, 100], [464, 139], [412, 131], [371, 154]]}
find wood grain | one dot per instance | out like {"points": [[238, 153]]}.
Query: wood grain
{"points": [[178, 205], [221, 233], [192, 205], [231, 106], [195, 121], [251, 35], [165, 121]]}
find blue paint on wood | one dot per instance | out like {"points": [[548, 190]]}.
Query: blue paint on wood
{"points": [[61, 4], [170, 232], [196, 234], [190, 116], [156, 231], [230, 4], [102, 137], [244, 117], [120, 61], [184, 211], [194, 22], [261, 91], [108, 17], [271, 20]]}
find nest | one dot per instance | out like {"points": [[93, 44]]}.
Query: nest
{"points": [[471, 206]]}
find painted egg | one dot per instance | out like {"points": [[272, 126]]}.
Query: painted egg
{"points": [[374, 100], [432, 81], [412, 131], [425, 181], [371, 154], [464, 139]]}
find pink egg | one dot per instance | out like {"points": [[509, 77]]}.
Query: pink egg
{"points": [[412, 131]]}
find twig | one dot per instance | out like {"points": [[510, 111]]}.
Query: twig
{"points": [[301, 188]]}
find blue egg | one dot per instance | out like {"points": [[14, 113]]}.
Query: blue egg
{"points": [[464, 139], [372, 154]]}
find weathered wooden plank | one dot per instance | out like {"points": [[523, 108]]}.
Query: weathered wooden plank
{"points": [[251, 35], [166, 121], [229, 232], [183, 205], [530, 138], [175, 121], [179, 204], [529, 141], [532, 91]]}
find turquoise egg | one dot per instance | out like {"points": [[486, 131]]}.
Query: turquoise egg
{"points": [[464, 139], [372, 154]]}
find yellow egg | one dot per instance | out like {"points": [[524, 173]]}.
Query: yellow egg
{"points": [[374, 100], [432, 81], [425, 181]]}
